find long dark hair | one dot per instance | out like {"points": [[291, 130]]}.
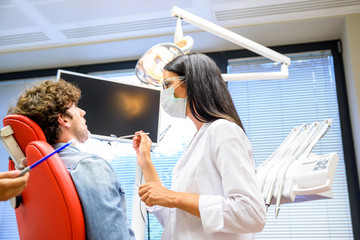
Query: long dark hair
{"points": [[208, 96]]}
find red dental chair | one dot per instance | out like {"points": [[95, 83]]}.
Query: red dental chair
{"points": [[50, 207]]}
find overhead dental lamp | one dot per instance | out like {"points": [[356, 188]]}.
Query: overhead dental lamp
{"points": [[149, 68]]}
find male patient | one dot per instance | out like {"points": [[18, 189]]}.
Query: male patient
{"points": [[53, 106]]}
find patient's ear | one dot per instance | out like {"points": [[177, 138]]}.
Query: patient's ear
{"points": [[63, 120]]}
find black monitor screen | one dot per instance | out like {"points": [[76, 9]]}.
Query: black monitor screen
{"points": [[116, 109]]}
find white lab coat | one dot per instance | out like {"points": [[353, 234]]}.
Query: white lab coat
{"points": [[218, 165]]}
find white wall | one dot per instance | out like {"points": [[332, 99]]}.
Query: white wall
{"points": [[351, 56]]}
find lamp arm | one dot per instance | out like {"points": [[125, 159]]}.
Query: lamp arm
{"points": [[229, 35], [284, 73]]}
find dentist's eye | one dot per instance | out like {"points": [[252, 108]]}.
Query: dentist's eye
{"points": [[166, 85]]}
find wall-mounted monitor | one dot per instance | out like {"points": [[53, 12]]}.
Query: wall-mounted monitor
{"points": [[115, 109]]}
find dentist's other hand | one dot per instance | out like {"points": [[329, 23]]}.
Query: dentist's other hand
{"points": [[11, 185], [154, 193]]}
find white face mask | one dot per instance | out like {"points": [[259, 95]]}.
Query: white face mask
{"points": [[175, 107]]}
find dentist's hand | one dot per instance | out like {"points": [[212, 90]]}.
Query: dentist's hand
{"points": [[142, 146], [154, 193]]}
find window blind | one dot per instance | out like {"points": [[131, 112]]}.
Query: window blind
{"points": [[269, 110]]}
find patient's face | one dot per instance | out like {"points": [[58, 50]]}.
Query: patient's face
{"points": [[78, 123]]}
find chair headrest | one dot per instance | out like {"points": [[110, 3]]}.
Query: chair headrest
{"points": [[25, 130]]}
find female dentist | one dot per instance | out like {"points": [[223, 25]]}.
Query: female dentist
{"points": [[214, 193]]}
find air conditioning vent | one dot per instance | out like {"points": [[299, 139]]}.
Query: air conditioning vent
{"points": [[119, 28], [276, 9], [23, 38]]}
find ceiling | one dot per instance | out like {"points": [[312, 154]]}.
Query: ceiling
{"points": [[39, 34]]}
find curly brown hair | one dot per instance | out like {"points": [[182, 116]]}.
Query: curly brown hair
{"points": [[43, 104]]}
